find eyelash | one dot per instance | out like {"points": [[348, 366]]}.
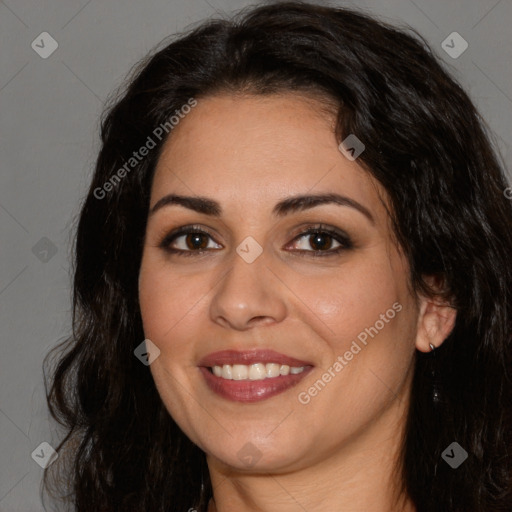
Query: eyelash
{"points": [[338, 236]]}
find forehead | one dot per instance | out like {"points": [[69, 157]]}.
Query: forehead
{"points": [[254, 150]]}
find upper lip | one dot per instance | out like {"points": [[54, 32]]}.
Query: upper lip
{"points": [[249, 357]]}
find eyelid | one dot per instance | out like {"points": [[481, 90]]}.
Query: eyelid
{"points": [[337, 234], [185, 230], [304, 230]]}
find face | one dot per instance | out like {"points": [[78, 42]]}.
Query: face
{"points": [[254, 283]]}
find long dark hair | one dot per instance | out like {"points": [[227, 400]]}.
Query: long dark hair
{"points": [[432, 152]]}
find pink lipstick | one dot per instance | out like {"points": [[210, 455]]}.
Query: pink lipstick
{"points": [[251, 375]]}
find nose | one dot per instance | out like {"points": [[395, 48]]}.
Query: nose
{"points": [[249, 294]]}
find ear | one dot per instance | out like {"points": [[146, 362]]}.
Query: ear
{"points": [[435, 321]]}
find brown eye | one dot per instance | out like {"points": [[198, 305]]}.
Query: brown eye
{"points": [[188, 241], [318, 241], [196, 241]]}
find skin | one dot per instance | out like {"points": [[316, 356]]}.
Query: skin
{"points": [[338, 451]]}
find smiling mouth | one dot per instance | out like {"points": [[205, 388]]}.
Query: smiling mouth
{"points": [[242, 388], [251, 375], [257, 371]]}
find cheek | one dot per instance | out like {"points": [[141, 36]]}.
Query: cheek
{"points": [[355, 297], [371, 318], [167, 300], [170, 307]]}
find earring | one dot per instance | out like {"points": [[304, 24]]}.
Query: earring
{"points": [[436, 381]]}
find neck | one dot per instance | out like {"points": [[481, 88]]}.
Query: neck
{"points": [[361, 475]]}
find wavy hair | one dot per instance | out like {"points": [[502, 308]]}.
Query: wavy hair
{"points": [[432, 152]]}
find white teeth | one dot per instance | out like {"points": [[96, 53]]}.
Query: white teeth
{"points": [[285, 369], [226, 372], [257, 371], [240, 372], [272, 369]]}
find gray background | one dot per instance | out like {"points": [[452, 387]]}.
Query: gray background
{"points": [[50, 112]]}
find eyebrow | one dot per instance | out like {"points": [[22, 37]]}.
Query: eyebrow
{"points": [[289, 205]]}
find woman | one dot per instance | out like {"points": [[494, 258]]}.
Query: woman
{"points": [[292, 281]]}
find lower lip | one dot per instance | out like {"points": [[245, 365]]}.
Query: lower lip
{"points": [[252, 390]]}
